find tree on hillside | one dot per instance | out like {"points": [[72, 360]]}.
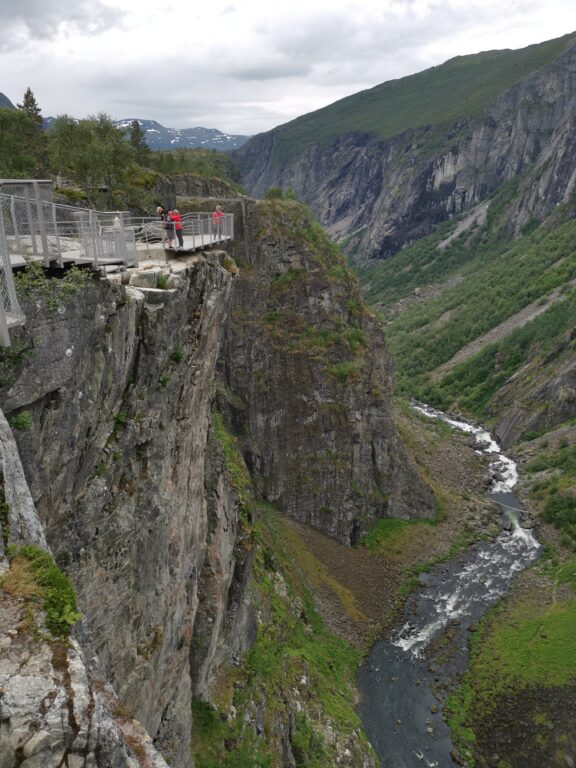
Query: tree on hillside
{"points": [[22, 145], [137, 138], [93, 152], [30, 107]]}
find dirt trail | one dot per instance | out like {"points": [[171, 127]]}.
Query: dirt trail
{"points": [[499, 332], [477, 216]]}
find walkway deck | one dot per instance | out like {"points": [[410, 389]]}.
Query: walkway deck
{"points": [[71, 252]]}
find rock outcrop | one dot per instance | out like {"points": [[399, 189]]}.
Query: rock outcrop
{"points": [[109, 389], [308, 382], [116, 393], [377, 195], [54, 708]]}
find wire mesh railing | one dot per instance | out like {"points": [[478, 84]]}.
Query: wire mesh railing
{"points": [[41, 230], [10, 312], [35, 228], [190, 232]]}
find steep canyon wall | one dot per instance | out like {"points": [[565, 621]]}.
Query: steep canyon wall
{"points": [[375, 195], [113, 387]]}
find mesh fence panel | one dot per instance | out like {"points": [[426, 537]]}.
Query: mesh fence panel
{"points": [[38, 229], [14, 314], [18, 187]]}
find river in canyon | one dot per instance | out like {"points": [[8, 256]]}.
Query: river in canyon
{"points": [[405, 679]]}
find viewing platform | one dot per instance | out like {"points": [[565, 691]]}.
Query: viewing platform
{"points": [[35, 229]]}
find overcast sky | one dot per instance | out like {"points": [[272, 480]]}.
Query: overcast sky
{"points": [[243, 66]]}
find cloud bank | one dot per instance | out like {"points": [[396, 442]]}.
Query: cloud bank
{"points": [[244, 66]]}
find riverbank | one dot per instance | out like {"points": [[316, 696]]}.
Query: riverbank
{"points": [[406, 679], [360, 591], [516, 706]]}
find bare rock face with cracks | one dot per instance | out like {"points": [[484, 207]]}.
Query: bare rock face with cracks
{"points": [[376, 195], [112, 392]]}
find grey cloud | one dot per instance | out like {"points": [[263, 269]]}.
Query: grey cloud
{"points": [[282, 68], [41, 19], [342, 50], [272, 71]]}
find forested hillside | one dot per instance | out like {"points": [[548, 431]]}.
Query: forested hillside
{"points": [[94, 160]]}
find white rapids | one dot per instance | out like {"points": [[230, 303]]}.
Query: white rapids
{"points": [[484, 579], [501, 465], [402, 678]]}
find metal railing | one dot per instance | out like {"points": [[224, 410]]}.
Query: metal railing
{"points": [[10, 312], [34, 228], [198, 230], [39, 230]]}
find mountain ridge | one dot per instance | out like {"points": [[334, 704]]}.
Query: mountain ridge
{"points": [[158, 137], [5, 102], [376, 193]]}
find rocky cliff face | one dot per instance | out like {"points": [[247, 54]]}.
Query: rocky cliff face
{"points": [[109, 390], [375, 196], [308, 382], [116, 390]]}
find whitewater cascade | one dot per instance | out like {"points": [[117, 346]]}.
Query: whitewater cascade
{"points": [[484, 580], [401, 704]]}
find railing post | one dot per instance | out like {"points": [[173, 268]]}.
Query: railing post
{"points": [[31, 225], [94, 239], [4, 332], [57, 236], [15, 224], [41, 223], [8, 299]]}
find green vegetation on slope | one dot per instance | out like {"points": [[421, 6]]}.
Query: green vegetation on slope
{"points": [[475, 283], [460, 88], [551, 478], [296, 666], [518, 651], [471, 384], [339, 341], [207, 163], [35, 578]]}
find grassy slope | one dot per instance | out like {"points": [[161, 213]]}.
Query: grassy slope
{"points": [[496, 280], [523, 672], [460, 88], [523, 657]]}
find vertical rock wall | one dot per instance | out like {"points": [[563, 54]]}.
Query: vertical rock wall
{"points": [[308, 382], [379, 195], [116, 384]]}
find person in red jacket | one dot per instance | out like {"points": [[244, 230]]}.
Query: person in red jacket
{"points": [[177, 219], [217, 217]]}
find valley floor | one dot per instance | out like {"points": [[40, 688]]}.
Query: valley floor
{"points": [[360, 590]]}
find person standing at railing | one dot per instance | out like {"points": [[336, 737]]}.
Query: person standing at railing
{"points": [[164, 219], [217, 217], [169, 229], [177, 219]]}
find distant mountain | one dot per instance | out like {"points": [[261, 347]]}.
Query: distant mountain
{"points": [[159, 137], [5, 103]]}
